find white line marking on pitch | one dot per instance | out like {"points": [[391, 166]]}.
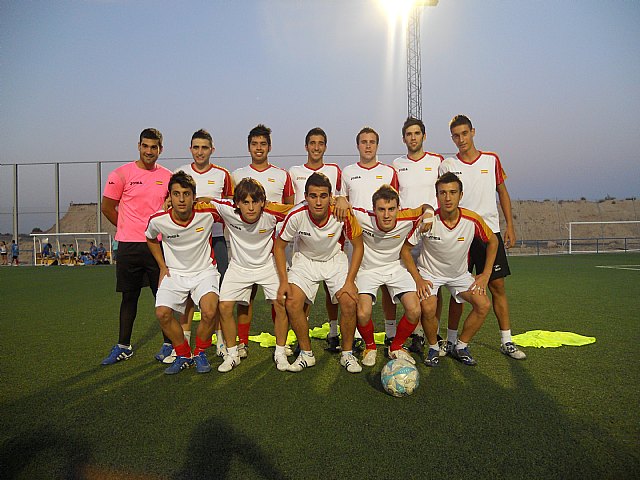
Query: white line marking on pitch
{"points": [[621, 267]]}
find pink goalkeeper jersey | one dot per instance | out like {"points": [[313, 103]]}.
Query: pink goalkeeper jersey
{"points": [[140, 194]]}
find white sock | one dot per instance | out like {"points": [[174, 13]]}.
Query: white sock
{"points": [[219, 338], [357, 334], [347, 352], [333, 328], [280, 350], [308, 353], [187, 335], [128, 346], [505, 336], [460, 345], [390, 328], [233, 351], [452, 336], [434, 347]]}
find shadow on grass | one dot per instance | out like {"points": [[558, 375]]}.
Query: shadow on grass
{"points": [[216, 450], [68, 453]]}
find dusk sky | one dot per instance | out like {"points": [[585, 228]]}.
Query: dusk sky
{"points": [[552, 86]]}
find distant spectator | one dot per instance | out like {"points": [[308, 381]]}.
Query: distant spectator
{"points": [[114, 250], [3, 254], [101, 256], [64, 254], [93, 251], [72, 252], [47, 250], [15, 253], [87, 259]]}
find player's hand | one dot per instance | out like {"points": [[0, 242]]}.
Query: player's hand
{"points": [[423, 289], [340, 209], [479, 286], [350, 289], [426, 220], [509, 237], [283, 293], [164, 272]]}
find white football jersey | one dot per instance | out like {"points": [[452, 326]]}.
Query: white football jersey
{"points": [[360, 183], [382, 249], [318, 242], [300, 174], [417, 179], [251, 243], [214, 182], [187, 248], [480, 179], [276, 181], [445, 251]]}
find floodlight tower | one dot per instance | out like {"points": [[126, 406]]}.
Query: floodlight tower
{"points": [[414, 75]]}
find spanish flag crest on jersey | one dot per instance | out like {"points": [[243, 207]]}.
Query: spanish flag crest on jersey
{"points": [[461, 239], [159, 182], [200, 229]]}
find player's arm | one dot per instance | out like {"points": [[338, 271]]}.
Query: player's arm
{"points": [[280, 257], [156, 251], [482, 280], [423, 287], [505, 204], [349, 286], [109, 209]]}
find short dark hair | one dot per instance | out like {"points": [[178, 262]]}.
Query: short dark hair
{"points": [[184, 180], [460, 120], [448, 177], [202, 134], [151, 134], [411, 121], [385, 192], [317, 179], [367, 130], [249, 187], [315, 131], [260, 130]]}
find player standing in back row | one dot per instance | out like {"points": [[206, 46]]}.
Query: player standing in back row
{"points": [[315, 143], [278, 188], [360, 181], [483, 176], [417, 175]]}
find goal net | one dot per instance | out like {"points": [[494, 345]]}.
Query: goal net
{"points": [[596, 237]]}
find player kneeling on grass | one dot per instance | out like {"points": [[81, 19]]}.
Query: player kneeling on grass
{"points": [[320, 257], [443, 262], [384, 231], [251, 224], [187, 267]]}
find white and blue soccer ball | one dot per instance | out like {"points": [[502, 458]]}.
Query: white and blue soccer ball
{"points": [[400, 378]]}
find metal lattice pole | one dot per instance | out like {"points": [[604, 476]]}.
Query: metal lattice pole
{"points": [[414, 76]]}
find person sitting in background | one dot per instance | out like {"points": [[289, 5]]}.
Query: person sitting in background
{"points": [[87, 259], [101, 256], [72, 252], [93, 251]]}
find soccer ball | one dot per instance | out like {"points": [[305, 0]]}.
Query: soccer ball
{"points": [[400, 378]]}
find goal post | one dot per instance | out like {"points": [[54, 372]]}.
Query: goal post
{"points": [[81, 241], [614, 242]]}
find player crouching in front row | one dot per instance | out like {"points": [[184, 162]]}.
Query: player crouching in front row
{"points": [[443, 262], [319, 258], [187, 267]]}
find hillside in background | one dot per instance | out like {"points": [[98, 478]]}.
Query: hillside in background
{"points": [[541, 226]]}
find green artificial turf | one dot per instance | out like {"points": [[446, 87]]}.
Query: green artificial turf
{"points": [[569, 412]]}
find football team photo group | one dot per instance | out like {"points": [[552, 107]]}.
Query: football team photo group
{"points": [[204, 240]]}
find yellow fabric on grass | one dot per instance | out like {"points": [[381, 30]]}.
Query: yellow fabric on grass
{"points": [[545, 338], [267, 340]]}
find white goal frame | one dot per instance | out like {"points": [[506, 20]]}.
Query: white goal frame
{"points": [[593, 223], [94, 237]]}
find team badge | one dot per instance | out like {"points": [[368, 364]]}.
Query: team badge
{"points": [[200, 229], [484, 171], [461, 239], [159, 182]]}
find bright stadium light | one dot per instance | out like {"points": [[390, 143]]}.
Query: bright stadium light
{"points": [[400, 9]]}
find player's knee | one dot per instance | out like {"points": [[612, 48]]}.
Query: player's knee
{"points": [[413, 313], [496, 287], [164, 314], [207, 314], [482, 306], [348, 306], [294, 304]]}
